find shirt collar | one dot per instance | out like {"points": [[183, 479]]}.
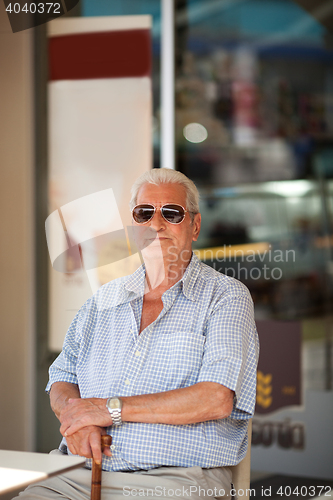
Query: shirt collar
{"points": [[134, 285], [136, 282], [190, 277]]}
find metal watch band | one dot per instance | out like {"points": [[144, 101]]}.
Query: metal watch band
{"points": [[114, 406], [116, 417]]}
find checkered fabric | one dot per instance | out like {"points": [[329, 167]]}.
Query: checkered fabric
{"points": [[205, 332]]}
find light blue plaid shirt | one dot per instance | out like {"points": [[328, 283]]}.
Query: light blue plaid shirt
{"points": [[205, 333]]}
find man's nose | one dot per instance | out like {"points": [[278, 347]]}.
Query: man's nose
{"points": [[158, 222]]}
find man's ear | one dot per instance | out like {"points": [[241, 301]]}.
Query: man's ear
{"points": [[196, 226]]}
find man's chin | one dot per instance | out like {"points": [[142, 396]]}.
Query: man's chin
{"points": [[157, 249], [152, 251]]}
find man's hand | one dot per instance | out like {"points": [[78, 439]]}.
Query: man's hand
{"points": [[86, 440], [87, 443], [80, 413]]}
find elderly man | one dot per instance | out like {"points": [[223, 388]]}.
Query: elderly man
{"points": [[164, 360]]}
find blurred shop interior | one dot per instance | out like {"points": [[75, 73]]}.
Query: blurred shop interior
{"points": [[254, 131]]}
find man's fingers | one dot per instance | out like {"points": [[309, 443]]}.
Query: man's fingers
{"points": [[69, 427], [72, 447], [85, 450], [63, 429], [95, 445], [87, 443], [72, 429], [68, 430], [107, 451]]}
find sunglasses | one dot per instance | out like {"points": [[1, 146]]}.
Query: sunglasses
{"points": [[143, 213]]}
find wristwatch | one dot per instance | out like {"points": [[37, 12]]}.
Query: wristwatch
{"points": [[114, 405]]}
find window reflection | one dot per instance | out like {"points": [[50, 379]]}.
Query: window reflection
{"points": [[288, 275], [258, 76]]}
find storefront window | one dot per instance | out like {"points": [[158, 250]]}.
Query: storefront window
{"points": [[256, 77], [254, 130]]}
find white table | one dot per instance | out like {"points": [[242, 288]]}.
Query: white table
{"points": [[21, 468]]}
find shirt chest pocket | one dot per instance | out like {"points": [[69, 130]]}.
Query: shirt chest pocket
{"points": [[176, 359]]}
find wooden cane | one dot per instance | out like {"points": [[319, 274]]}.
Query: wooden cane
{"points": [[96, 476]]}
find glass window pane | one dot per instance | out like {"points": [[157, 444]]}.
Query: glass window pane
{"points": [[256, 76]]}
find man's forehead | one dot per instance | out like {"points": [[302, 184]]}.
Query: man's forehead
{"points": [[170, 192]]}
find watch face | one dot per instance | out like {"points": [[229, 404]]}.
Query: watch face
{"points": [[114, 404]]}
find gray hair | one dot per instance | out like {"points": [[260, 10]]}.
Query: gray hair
{"points": [[159, 176]]}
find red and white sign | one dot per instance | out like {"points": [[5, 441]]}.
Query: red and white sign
{"points": [[99, 129]]}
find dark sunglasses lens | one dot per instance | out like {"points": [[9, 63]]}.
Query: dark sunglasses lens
{"points": [[143, 213], [173, 213]]}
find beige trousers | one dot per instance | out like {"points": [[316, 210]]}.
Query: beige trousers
{"points": [[162, 483]]}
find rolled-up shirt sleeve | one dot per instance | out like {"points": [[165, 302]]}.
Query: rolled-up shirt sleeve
{"points": [[231, 351], [63, 369]]}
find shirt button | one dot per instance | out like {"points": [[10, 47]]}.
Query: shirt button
{"points": [[137, 353], [127, 382], [113, 447]]}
